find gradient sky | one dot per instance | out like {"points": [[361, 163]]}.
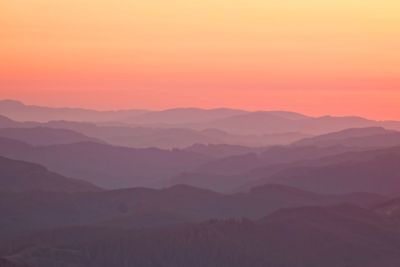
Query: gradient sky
{"points": [[312, 56]]}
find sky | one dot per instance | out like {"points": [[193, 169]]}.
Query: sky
{"points": [[339, 57]]}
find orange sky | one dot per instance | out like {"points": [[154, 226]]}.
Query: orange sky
{"points": [[313, 56]]}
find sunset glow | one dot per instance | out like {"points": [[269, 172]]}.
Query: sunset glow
{"points": [[317, 57]]}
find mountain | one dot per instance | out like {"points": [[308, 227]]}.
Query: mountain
{"points": [[182, 127], [356, 137], [196, 204], [261, 122], [269, 122], [375, 171], [161, 138], [228, 120], [310, 236], [335, 169], [264, 200], [167, 138], [19, 176], [273, 122], [21, 112], [184, 115], [105, 165], [229, 174], [135, 208], [223, 150], [144, 137], [271, 156], [6, 122], [40, 136]]}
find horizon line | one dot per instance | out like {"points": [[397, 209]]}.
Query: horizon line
{"points": [[21, 102]]}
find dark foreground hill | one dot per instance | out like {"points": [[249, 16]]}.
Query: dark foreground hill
{"points": [[7, 263], [303, 237]]}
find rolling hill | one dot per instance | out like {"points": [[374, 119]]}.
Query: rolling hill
{"points": [[372, 137], [366, 171], [105, 165], [42, 136], [27, 211], [19, 176]]}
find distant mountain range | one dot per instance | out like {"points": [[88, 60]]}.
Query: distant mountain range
{"points": [[143, 137], [280, 122], [229, 120], [21, 112], [82, 194]]}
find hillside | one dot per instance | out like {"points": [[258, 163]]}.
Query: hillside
{"points": [[41, 136], [334, 236], [357, 137], [105, 165], [19, 176]]}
